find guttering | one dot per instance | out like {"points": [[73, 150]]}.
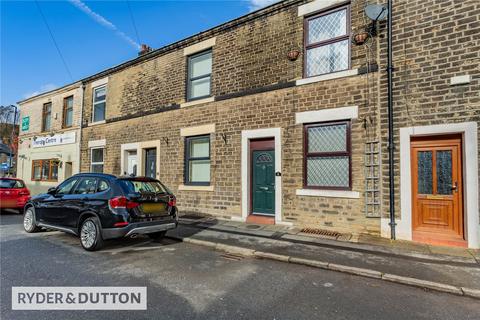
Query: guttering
{"points": [[391, 146]]}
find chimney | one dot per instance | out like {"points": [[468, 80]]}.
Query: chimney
{"points": [[144, 49]]}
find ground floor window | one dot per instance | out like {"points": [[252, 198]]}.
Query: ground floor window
{"points": [[197, 160], [96, 160], [327, 155], [45, 170]]}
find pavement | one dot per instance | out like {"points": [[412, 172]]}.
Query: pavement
{"points": [[454, 270], [186, 281]]}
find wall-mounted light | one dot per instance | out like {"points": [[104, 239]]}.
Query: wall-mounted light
{"points": [[224, 137], [165, 139]]}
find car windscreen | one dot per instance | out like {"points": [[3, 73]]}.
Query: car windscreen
{"points": [[11, 184], [141, 186]]}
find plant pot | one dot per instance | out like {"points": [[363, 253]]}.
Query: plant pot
{"points": [[293, 55], [360, 38]]}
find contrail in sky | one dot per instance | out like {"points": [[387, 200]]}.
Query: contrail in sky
{"points": [[104, 22]]}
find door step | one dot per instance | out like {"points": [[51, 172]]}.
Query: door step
{"points": [[260, 219]]}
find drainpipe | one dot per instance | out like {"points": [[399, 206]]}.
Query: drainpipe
{"points": [[80, 133], [391, 145]]}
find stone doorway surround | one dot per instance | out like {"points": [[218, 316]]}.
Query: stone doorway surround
{"points": [[140, 148], [470, 179], [248, 135]]}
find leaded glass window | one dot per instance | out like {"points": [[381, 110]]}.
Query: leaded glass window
{"points": [[327, 43], [444, 172], [425, 173], [327, 156]]}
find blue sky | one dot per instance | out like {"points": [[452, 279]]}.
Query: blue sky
{"points": [[92, 36]]}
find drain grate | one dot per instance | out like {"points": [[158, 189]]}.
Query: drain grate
{"points": [[321, 232]]}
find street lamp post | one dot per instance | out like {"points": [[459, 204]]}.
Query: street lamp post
{"points": [[12, 137]]}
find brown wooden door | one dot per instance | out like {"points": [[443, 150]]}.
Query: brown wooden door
{"points": [[437, 190]]}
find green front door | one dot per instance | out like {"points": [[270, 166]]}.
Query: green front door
{"points": [[263, 182]]}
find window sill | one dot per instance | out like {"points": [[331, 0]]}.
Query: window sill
{"points": [[96, 123], [328, 193], [328, 76], [184, 187], [195, 102]]}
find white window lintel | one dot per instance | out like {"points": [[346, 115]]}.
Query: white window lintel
{"points": [[328, 193], [317, 5], [324, 115], [97, 143], [99, 82], [200, 46], [198, 130]]}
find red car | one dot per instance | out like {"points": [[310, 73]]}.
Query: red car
{"points": [[13, 194]]}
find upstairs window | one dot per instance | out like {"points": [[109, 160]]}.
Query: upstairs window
{"points": [[99, 103], [197, 160], [327, 42], [47, 117], [327, 156], [68, 112], [199, 75]]}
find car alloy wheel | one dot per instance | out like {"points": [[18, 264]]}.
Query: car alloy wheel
{"points": [[88, 234], [28, 220]]}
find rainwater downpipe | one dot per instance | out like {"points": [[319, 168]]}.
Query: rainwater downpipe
{"points": [[391, 146]]}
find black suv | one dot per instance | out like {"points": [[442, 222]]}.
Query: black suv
{"points": [[97, 206]]}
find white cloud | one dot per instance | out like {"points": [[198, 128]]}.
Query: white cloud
{"points": [[104, 22], [258, 4], [43, 88]]}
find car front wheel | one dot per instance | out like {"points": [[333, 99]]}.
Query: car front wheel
{"points": [[29, 221], [91, 235]]}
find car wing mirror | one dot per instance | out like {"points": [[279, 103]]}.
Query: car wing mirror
{"points": [[52, 191]]}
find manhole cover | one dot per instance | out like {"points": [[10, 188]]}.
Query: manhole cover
{"points": [[253, 226]]}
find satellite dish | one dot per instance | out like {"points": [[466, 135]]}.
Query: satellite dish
{"points": [[376, 12]]}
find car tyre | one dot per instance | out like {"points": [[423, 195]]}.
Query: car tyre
{"points": [[91, 234], [29, 224], [157, 236]]}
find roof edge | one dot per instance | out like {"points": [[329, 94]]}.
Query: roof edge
{"points": [[66, 87], [196, 37]]}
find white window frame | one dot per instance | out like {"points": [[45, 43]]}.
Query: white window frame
{"points": [[97, 163], [95, 103]]}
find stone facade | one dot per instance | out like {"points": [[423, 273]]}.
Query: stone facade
{"points": [[253, 90], [442, 42], [255, 86]]}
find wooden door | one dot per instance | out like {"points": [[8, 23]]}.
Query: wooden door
{"points": [[437, 216]]}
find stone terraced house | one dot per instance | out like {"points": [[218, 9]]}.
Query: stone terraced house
{"points": [[280, 116]]}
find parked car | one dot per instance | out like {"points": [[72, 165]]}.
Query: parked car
{"points": [[13, 194], [97, 206]]}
